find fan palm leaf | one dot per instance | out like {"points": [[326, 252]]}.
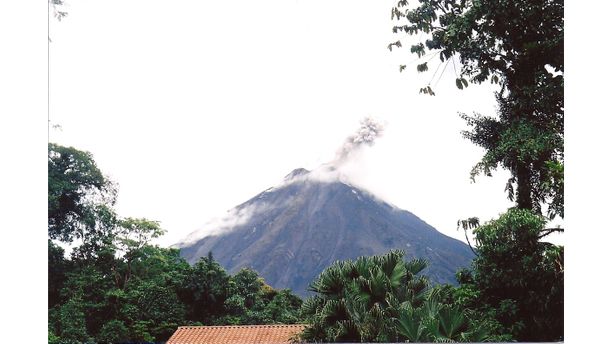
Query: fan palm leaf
{"points": [[452, 322], [416, 265], [409, 325]]}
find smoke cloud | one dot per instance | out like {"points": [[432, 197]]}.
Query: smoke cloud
{"points": [[233, 218], [344, 166], [339, 169], [369, 130]]}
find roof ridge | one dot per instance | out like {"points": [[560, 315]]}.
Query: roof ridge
{"points": [[231, 326]]}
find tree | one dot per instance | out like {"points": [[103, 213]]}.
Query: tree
{"points": [[519, 276], [113, 331], [80, 198], [516, 278], [283, 308], [58, 267], [382, 299], [131, 237], [249, 285], [163, 265], [87, 288], [159, 306], [251, 301], [442, 319], [71, 322], [117, 286], [511, 43], [205, 290]]}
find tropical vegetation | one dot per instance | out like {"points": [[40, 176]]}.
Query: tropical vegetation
{"points": [[117, 286], [385, 299], [514, 288], [519, 46]]}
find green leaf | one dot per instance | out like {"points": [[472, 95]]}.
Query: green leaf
{"points": [[452, 321], [397, 44], [410, 326], [418, 49], [398, 274], [459, 83]]}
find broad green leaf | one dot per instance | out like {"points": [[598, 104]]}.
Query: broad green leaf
{"points": [[422, 67], [459, 83]]}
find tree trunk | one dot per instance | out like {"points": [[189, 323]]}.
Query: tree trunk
{"points": [[523, 190]]}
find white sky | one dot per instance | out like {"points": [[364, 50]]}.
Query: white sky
{"points": [[195, 106]]}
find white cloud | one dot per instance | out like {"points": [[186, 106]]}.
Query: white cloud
{"points": [[234, 217]]}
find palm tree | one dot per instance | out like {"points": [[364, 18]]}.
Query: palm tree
{"points": [[383, 299]]}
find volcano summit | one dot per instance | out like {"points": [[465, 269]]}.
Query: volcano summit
{"points": [[290, 233]]}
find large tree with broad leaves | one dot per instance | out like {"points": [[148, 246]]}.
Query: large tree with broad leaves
{"points": [[518, 45], [80, 197]]}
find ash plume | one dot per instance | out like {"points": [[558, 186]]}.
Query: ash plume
{"points": [[366, 135], [346, 161]]}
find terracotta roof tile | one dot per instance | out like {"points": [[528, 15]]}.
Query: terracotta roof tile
{"points": [[261, 334]]}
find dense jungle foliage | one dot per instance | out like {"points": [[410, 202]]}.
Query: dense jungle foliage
{"points": [[116, 286]]}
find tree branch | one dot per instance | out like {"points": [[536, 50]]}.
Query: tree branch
{"points": [[548, 231], [468, 242]]}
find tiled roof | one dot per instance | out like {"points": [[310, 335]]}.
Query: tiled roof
{"points": [[260, 334]]}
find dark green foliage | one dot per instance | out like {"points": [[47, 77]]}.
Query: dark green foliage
{"points": [[90, 286], [245, 302], [118, 287], [58, 266], [518, 276], [254, 302], [113, 331], [71, 321], [384, 299], [248, 285], [531, 147], [80, 197], [496, 39], [158, 304], [510, 43], [205, 290], [53, 338], [283, 308], [516, 279], [163, 293]]}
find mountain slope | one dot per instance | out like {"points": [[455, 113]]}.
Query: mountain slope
{"points": [[289, 234]]}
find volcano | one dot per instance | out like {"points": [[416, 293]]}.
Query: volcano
{"points": [[291, 233]]}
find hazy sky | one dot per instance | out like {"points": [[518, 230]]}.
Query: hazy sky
{"points": [[193, 107]]}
